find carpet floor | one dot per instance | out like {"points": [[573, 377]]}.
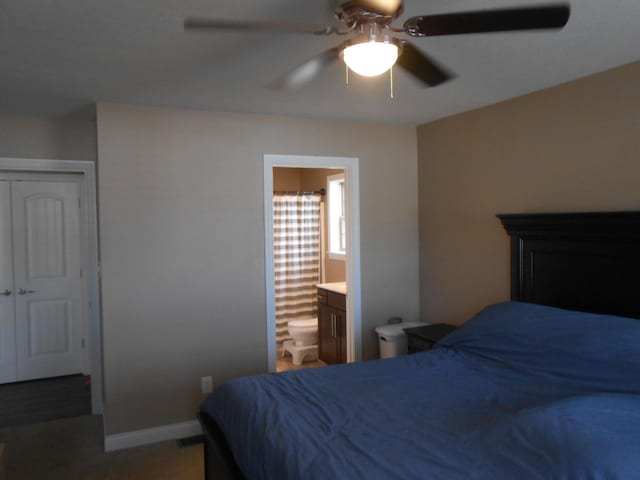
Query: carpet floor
{"points": [[72, 449], [42, 400]]}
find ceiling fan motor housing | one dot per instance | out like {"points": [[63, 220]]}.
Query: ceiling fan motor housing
{"points": [[372, 32], [353, 12]]}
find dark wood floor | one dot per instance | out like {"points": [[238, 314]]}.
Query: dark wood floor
{"points": [[42, 400], [72, 449]]}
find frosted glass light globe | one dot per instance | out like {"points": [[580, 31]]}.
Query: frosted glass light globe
{"points": [[370, 58]]}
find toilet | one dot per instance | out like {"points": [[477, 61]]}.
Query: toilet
{"points": [[304, 332], [304, 345]]}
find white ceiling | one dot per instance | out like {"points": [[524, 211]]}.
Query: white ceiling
{"points": [[60, 56]]}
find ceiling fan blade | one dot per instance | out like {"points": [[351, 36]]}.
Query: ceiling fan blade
{"points": [[422, 67], [384, 7], [307, 71], [204, 23], [501, 20]]}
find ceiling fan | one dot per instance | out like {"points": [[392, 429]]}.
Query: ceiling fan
{"points": [[372, 48]]}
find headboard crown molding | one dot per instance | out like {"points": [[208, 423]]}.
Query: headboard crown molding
{"points": [[592, 224]]}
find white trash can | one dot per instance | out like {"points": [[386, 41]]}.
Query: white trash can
{"points": [[393, 340]]}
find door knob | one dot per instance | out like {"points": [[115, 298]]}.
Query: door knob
{"points": [[22, 291], [6, 292]]}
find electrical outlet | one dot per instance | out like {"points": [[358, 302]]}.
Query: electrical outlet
{"points": [[206, 384]]}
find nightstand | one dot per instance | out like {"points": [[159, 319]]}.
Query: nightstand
{"points": [[424, 338]]}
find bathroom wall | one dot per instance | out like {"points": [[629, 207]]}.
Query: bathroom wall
{"points": [[286, 179], [315, 179]]}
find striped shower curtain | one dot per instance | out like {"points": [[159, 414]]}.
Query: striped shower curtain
{"points": [[296, 233]]}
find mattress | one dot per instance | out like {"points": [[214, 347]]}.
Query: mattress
{"points": [[518, 392]]}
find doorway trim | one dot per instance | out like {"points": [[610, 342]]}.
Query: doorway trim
{"points": [[90, 259], [350, 165]]}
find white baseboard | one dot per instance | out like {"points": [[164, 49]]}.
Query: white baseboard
{"points": [[147, 436]]}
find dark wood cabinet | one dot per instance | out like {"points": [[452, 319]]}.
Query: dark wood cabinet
{"points": [[332, 327]]}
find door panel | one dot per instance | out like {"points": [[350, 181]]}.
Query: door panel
{"points": [[7, 318], [342, 336], [49, 328], [45, 236], [47, 259]]}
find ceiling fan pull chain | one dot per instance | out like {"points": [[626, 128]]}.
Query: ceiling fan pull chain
{"points": [[391, 83], [346, 74]]}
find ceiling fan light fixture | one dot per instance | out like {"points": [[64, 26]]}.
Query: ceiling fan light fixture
{"points": [[370, 59], [374, 46]]}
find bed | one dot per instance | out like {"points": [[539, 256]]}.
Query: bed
{"points": [[544, 386]]}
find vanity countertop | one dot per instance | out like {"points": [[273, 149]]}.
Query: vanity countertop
{"points": [[336, 287]]}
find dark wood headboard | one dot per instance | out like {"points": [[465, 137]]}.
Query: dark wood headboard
{"points": [[578, 261]]}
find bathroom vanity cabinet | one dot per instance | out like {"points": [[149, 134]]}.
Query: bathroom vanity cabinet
{"points": [[332, 326]]}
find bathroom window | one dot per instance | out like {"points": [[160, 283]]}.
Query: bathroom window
{"points": [[337, 223]]}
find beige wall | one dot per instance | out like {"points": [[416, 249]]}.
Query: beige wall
{"points": [[182, 245], [71, 137], [286, 179], [575, 147]]}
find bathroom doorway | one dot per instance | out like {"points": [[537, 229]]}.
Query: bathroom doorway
{"points": [[309, 253], [311, 245]]}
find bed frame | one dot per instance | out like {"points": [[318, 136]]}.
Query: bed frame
{"points": [[578, 261], [219, 463]]}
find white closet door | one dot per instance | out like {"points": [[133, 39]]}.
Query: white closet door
{"points": [[48, 296], [7, 318]]}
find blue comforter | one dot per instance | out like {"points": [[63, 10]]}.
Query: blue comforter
{"points": [[519, 392]]}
